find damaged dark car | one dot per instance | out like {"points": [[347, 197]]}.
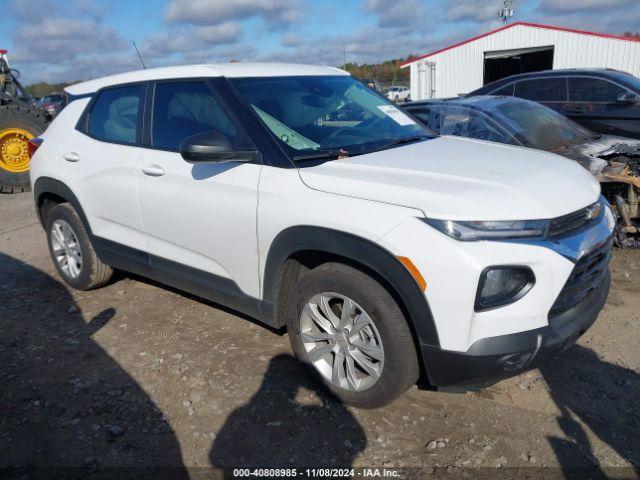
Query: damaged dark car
{"points": [[615, 161]]}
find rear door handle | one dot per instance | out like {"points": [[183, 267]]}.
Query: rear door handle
{"points": [[71, 157], [153, 170]]}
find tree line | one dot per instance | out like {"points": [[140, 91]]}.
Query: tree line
{"points": [[41, 89], [385, 72]]}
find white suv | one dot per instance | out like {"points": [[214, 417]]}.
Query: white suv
{"points": [[300, 197], [398, 94]]}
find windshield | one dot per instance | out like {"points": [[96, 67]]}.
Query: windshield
{"points": [[52, 98], [312, 114], [540, 127], [628, 79]]}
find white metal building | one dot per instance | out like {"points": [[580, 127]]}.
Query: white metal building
{"points": [[517, 48]]}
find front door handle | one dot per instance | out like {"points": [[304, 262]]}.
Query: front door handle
{"points": [[153, 170], [71, 157], [576, 109]]}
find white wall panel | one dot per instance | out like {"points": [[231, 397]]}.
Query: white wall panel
{"points": [[460, 69]]}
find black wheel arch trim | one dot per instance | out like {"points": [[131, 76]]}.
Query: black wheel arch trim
{"points": [[44, 185], [359, 250]]}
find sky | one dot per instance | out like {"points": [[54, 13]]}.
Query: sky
{"points": [[69, 40]]}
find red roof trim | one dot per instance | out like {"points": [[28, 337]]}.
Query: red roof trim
{"points": [[525, 24], [4, 51]]}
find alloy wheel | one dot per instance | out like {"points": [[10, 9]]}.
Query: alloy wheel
{"points": [[341, 341], [66, 249]]}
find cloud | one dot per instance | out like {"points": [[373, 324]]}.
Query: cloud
{"points": [[583, 6], [399, 13], [54, 39], [610, 16], [66, 42], [471, 10], [223, 54], [213, 12], [291, 41], [367, 45], [184, 40]]}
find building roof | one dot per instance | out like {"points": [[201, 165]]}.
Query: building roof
{"points": [[210, 70], [524, 24]]}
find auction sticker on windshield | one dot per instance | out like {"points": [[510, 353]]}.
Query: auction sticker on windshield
{"points": [[396, 115]]}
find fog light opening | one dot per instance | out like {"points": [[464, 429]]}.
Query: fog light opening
{"points": [[502, 285]]}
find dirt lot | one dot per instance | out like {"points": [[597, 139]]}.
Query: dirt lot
{"points": [[137, 375]]}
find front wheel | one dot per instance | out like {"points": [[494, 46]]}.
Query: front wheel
{"points": [[352, 335]]}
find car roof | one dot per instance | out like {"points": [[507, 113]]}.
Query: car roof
{"points": [[596, 72], [232, 70], [477, 102]]}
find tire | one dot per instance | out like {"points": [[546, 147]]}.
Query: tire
{"points": [[399, 365], [14, 178], [397, 99], [92, 272]]}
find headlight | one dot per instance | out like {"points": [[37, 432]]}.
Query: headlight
{"points": [[490, 230], [502, 285]]}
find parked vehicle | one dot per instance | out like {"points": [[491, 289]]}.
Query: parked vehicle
{"points": [[615, 161], [52, 103], [604, 101], [21, 119], [389, 255], [398, 94]]}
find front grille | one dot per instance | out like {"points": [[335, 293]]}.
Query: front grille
{"points": [[586, 277], [571, 222]]}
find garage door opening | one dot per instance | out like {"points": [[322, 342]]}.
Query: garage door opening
{"points": [[505, 63]]}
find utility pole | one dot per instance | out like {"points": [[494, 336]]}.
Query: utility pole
{"points": [[506, 12], [344, 55]]}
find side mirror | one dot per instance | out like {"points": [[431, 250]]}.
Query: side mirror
{"points": [[213, 147], [628, 97]]}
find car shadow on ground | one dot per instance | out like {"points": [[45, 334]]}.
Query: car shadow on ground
{"points": [[67, 409], [289, 422], [602, 396]]}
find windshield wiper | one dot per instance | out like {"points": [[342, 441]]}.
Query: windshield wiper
{"points": [[331, 154]]}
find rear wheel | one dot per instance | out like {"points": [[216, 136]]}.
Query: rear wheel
{"points": [[72, 252], [17, 126], [353, 336]]}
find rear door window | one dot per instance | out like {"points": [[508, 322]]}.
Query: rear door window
{"points": [[114, 115], [542, 89], [584, 89], [184, 109]]}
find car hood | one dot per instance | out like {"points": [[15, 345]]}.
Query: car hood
{"points": [[595, 154], [460, 179]]}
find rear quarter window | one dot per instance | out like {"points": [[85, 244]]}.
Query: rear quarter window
{"points": [[114, 115], [505, 91]]}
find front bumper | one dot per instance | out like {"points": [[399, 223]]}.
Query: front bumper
{"points": [[494, 358]]}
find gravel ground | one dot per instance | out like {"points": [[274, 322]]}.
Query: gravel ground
{"points": [[138, 375]]}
